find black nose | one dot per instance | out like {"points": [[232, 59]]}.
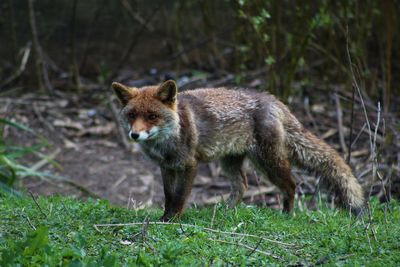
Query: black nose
{"points": [[133, 136]]}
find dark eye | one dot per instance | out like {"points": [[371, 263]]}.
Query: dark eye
{"points": [[152, 116], [131, 115]]}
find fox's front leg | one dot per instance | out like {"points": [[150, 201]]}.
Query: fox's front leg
{"points": [[177, 187]]}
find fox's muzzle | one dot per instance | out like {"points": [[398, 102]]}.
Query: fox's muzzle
{"points": [[133, 136], [143, 135]]}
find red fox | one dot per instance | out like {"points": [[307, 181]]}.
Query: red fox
{"points": [[178, 131]]}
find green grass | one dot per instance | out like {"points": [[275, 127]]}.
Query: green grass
{"points": [[65, 235]]}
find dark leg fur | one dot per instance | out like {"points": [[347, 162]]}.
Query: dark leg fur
{"points": [[281, 176], [277, 169], [177, 187], [231, 165]]}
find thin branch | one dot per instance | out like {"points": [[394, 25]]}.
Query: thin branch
{"points": [[196, 226], [75, 68], [13, 32], [100, 6], [355, 84], [339, 113], [269, 254], [43, 162], [22, 66], [136, 35], [213, 215], [351, 126], [29, 221], [375, 154], [136, 16], [41, 71], [37, 204], [255, 248]]}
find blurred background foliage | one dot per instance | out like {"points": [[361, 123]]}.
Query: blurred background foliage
{"points": [[295, 43]]}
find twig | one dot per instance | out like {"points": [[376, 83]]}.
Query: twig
{"points": [[255, 248], [75, 68], [37, 204], [129, 200], [309, 114], [355, 84], [41, 119], [13, 32], [213, 215], [196, 226], [136, 16], [29, 222], [368, 225], [132, 45], [181, 227], [249, 193], [81, 188], [118, 182], [22, 66], [100, 6], [145, 228], [42, 75], [375, 157], [351, 125], [269, 254], [339, 113], [370, 222], [40, 164], [144, 234], [72, 183], [358, 135]]}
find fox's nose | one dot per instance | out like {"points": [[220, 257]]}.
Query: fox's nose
{"points": [[133, 135]]}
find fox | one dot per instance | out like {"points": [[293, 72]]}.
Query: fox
{"points": [[178, 131]]}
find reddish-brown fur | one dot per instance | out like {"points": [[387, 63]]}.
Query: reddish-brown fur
{"points": [[178, 131]]}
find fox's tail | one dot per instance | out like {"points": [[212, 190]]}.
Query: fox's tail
{"points": [[315, 155]]}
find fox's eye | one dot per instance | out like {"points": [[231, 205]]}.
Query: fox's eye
{"points": [[131, 115], [152, 116]]}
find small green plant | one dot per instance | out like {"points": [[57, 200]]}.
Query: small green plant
{"points": [[11, 170]]}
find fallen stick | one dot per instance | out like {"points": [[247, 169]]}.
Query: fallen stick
{"points": [[194, 226]]}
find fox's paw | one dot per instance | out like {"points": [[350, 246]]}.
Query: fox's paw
{"points": [[234, 199], [164, 218], [358, 211], [169, 217]]}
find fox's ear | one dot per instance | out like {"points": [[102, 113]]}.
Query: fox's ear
{"points": [[167, 92], [124, 93]]}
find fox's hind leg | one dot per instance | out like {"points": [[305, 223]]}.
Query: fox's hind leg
{"points": [[269, 153], [232, 167], [277, 168]]}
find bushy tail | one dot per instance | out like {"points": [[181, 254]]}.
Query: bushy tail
{"points": [[315, 155]]}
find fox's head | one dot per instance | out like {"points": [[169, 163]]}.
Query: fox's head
{"points": [[149, 113]]}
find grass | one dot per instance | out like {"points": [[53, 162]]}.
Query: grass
{"points": [[60, 231]]}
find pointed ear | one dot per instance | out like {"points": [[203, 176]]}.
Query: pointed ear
{"points": [[167, 92], [124, 93]]}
